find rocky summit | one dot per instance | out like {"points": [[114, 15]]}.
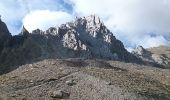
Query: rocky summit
{"points": [[4, 34], [86, 38]]}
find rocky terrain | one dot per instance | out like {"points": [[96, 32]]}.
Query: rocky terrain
{"points": [[79, 79], [80, 60]]}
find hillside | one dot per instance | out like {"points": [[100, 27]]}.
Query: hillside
{"points": [[77, 79]]}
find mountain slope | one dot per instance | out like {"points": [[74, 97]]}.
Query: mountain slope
{"points": [[76, 79], [158, 55]]}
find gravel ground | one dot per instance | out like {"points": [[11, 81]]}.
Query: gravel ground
{"points": [[76, 79]]}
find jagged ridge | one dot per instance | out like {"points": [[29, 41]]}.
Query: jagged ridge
{"points": [[90, 35], [85, 37]]}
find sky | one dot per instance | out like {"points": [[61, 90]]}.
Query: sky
{"points": [[134, 22]]}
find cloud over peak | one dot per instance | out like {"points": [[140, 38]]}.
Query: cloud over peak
{"points": [[43, 19]]}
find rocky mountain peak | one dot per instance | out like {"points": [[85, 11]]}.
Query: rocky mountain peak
{"points": [[93, 20], [24, 31], [140, 50], [4, 33], [92, 24], [88, 37], [3, 28], [152, 57]]}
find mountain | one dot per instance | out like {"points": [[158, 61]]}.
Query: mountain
{"points": [[86, 38], [4, 34], [158, 55]]}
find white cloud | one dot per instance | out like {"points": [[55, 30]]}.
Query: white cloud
{"points": [[13, 11], [130, 19], [43, 19], [129, 15], [149, 41], [31, 5]]}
